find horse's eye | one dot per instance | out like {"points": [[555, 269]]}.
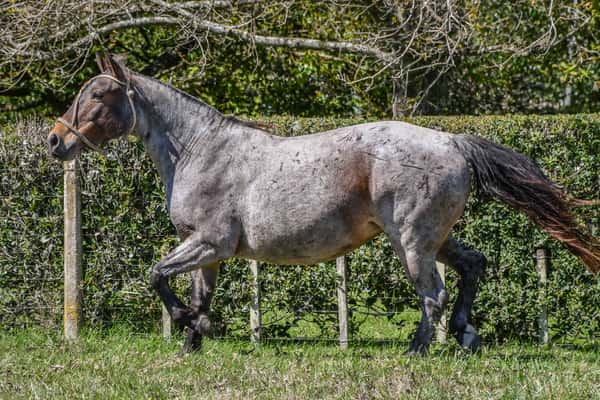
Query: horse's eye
{"points": [[97, 95]]}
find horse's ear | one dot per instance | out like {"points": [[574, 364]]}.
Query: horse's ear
{"points": [[112, 65], [101, 60], [117, 68]]}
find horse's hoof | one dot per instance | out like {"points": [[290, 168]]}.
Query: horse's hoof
{"points": [[469, 339], [416, 351], [193, 342]]}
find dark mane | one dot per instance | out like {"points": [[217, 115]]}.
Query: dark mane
{"points": [[264, 126]]}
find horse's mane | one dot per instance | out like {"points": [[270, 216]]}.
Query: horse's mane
{"points": [[264, 126]]}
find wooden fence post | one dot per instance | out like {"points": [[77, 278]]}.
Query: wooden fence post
{"points": [[441, 332], [342, 293], [542, 261], [592, 226], [255, 315], [166, 323], [72, 251]]}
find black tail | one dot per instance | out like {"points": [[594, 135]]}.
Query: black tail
{"points": [[518, 181]]}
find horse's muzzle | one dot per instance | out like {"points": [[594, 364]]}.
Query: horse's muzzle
{"points": [[56, 147]]}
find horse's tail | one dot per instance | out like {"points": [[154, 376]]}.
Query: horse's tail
{"points": [[518, 181]]}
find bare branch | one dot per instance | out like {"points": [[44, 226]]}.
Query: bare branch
{"points": [[22, 49], [415, 42]]}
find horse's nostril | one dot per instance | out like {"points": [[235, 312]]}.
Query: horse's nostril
{"points": [[53, 141]]}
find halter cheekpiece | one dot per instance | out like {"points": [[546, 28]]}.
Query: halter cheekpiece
{"points": [[73, 126]]}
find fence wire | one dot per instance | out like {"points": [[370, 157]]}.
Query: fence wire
{"points": [[122, 240]]}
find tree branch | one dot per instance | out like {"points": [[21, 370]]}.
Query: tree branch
{"points": [[272, 41]]}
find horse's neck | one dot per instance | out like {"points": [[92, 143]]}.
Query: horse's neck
{"points": [[177, 129]]}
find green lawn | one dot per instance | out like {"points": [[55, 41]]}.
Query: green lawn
{"points": [[123, 365]]}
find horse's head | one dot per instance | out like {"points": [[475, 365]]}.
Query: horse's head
{"points": [[103, 110]]}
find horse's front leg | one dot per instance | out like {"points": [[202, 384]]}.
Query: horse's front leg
{"points": [[204, 281], [198, 251]]}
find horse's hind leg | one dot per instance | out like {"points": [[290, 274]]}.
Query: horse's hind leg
{"points": [[470, 265], [203, 284], [432, 295], [419, 261]]}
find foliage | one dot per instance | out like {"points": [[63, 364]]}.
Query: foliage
{"points": [[483, 57], [564, 77], [126, 229]]}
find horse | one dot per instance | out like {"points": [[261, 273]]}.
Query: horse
{"points": [[234, 189]]}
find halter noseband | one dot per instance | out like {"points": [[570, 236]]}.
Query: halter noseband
{"points": [[73, 126]]}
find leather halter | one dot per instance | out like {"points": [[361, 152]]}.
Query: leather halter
{"points": [[73, 126]]}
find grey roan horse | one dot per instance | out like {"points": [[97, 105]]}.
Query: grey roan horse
{"points": [[235, 190]]}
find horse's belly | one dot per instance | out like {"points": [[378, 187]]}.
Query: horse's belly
{"points": [[285, 239], [308, 206], [301, 250]]}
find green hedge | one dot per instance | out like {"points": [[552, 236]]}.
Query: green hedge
{"points": [[126, 230]]}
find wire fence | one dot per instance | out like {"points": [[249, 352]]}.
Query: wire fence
{"points": [[120, 239], [396, 326], [95, 314]]}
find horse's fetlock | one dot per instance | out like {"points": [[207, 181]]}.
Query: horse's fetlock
{"points": [[156, 279], [443, 299], [193, 341], [181, 316], [469, 338]]}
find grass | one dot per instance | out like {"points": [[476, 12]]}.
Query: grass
{"points": [[119, 364]]}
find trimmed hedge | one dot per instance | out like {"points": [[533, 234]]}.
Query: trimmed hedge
{"points": [[126, 230]]}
